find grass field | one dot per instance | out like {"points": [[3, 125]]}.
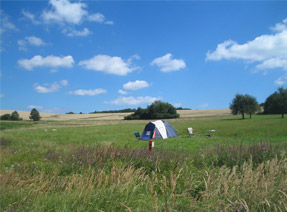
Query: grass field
{"points": [[96, 164]]}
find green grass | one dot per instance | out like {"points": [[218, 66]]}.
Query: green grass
{"points": [[49, 166]]}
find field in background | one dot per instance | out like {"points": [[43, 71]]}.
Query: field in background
{"points": [[117, 116], [93, 163]]}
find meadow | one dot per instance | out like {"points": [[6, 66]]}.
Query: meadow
{"points": [[89, 164]]}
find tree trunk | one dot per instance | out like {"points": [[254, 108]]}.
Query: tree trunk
{"points": [[242, 115], [250, 115], [282, 115]]}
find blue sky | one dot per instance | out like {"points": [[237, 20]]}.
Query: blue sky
{"points": [[82, 56]]}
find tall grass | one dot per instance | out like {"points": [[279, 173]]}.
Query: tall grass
{"points": [[113, 178]]}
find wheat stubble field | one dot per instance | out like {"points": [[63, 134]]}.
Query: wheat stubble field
{"points": [[93, 162]]}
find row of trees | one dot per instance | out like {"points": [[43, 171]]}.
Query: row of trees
{"points": [[157, 110], [14, 116], [276, 103], [34, 115]]}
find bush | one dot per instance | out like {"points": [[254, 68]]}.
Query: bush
{"points": [[6, 116]]}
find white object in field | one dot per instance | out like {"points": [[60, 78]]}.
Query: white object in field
{"points": [[152, 144], [54, 130], [190, 131]]}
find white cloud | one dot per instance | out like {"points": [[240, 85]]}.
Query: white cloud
{"points": [[50, 88], [167, 64], [134, 100], [31, 40], [6, 24], [1, 95], [279, 27], [63, 11], [76, 33], [97, 17], [108, 64], [273, 63], [64, 82], [281, 80], [122, 92], [82, 92], [47, 88], [138, 84], [267, 50], [109, 22], [30, 17], [49, 61]]}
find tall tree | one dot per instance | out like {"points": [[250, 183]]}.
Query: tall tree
{"points": [[251, 105], [35, 115], [242, 104], [276, 103], [15, 116], [237, 105]]}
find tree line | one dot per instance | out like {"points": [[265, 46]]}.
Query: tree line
{"points": [[34, 115], [157, 110], [276, 103]]}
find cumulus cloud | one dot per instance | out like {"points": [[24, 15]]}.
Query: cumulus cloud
{"points": [[91, 92], [136, 85], [77, 33], [268, 51], [73, 13], [50, 88], [281, 80], [109, 65], [134, 100], [167, 64], [47, 88], [122, 92], [49, 61], [63, 11], [30, 40]]}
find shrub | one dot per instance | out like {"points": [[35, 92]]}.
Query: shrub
{"points": [[6, 116]]}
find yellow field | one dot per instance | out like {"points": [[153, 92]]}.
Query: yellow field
{"points": [[118, 116]]}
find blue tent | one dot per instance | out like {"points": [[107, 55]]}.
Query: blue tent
{"points": [[158, 130]]}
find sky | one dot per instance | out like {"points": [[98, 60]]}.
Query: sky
{"points": [[63, 56]]}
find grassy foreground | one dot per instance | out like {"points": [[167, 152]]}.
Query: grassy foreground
{"points": [[243, 167]]}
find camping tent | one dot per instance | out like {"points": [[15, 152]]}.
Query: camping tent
{"points": [[158, 130]]}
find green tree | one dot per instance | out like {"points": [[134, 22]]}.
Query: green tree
{"points": [[6, 116], [157, 110], [15, 116], [35, 115], [237, 105], [276, 103], [251, 105]]}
